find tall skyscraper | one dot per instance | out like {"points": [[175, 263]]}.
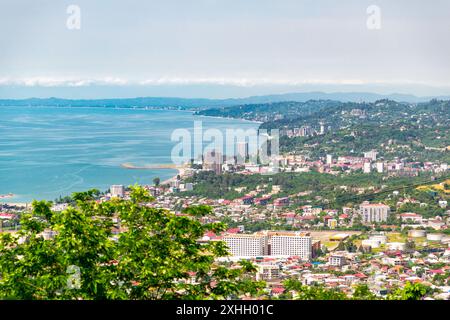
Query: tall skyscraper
{"points": [[213, 161], [242, 152]]}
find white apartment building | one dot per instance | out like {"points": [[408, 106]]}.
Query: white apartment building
{"points": [[117, 190], [376, 212], [380, 167], [267, 272], [242, 151], [367, 167], [329, 159], [372, 155], [213, 161], [291, 244], [304, 131], [332, 223], [337, 260], [246, 245]]}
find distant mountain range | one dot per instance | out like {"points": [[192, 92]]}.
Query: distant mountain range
{"points": [[187, 103]]}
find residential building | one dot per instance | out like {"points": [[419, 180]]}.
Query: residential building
{"points": [[117, 190], [337, 260], [367, 167], [291, 244], [376, 212], [409, 216], [242, 151], [380, 167], [329, 159], [267, 272], [281, 202], [213, 161], [246, 245], [332, 223], [372, 155]]}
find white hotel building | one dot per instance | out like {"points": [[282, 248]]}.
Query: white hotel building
{"points": [[270, 243], [246, 245], [291, 244]]}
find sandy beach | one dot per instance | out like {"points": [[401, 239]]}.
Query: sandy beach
{"points": [[180, 173], [180, 170], [7, 196]]}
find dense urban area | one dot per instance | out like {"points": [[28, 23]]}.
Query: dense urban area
{"points": [[357, 209]]}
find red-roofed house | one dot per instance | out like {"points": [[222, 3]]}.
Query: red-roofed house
{"points": [[247, 200], [277, 291], [289, 217], [281, 202], [436, 271], [409, 216], [262, 201], [7, 216]]}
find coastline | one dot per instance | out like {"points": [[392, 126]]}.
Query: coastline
{"points": [[180, 172], [229, 118], [16, 204], [105, 175], [7, 196]]}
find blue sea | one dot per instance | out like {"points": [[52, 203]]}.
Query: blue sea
{"points": [[47, 152]]}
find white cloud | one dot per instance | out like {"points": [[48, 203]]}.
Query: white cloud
{"points": [[239, 82], [59, 82]]}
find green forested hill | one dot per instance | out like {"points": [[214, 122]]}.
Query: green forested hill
{"points": [[418, 132], [287, 111]]}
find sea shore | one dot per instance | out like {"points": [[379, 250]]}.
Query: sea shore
{"points": [[180, 173]]}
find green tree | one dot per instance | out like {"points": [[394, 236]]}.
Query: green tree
{"points": [[86, 195], [393, 220], [357, 222], [315, 292], [157, 256], [156, 181], [410, 246], [410, 291], [362, 292]]}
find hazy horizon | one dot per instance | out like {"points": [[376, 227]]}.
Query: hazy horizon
{"points": [[94, 93], [222, 49]]}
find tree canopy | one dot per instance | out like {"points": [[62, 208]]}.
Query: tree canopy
{"points": [[79, 253]]}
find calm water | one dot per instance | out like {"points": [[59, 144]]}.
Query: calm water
{"points": [[46, 152]]}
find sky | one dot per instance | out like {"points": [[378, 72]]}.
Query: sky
{"points": [[222, 48]]}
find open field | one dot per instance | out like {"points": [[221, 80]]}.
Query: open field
{"points": [[324, 237]]}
